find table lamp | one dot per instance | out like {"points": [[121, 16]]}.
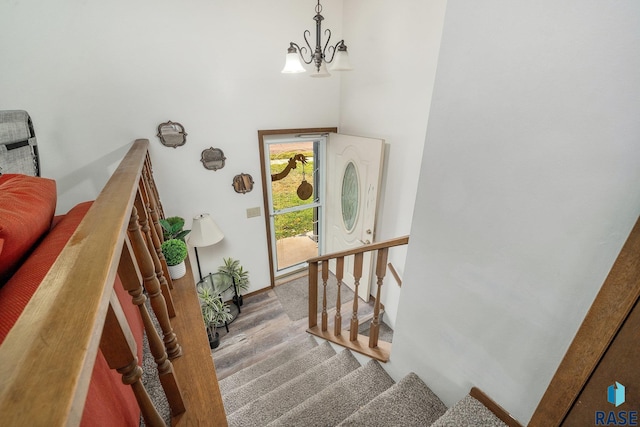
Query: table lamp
{"points": [[204, 232]]}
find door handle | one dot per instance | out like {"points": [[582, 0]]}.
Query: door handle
{"points": [[365, 242]]}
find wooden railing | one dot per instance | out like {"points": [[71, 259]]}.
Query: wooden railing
{"points": [[46, 360], [605, 349], [370, 346]]}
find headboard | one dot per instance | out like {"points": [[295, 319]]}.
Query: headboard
{"points": [[18, 145]]}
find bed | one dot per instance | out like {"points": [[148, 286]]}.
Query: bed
{"points": [[72, 298]]}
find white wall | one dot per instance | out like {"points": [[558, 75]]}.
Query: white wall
{"points": [[96, 75], [528, 190], [394, 48]]}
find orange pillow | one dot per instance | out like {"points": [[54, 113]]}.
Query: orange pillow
{"points": [[27, 206]]}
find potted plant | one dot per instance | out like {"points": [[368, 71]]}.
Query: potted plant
{"points": [[172, 228], [215, 312], [175, 252], [234, 271]]}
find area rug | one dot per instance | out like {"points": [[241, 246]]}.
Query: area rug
{"points": [[294, 296]]}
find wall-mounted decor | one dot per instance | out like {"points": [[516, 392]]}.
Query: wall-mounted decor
{"points": [[243, 183], [213, 159], [172, 134]]}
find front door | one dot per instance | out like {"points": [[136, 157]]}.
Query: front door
{"points": [[354, 167]]}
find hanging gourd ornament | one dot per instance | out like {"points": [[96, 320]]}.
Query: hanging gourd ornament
{"points": [[305, 190]]}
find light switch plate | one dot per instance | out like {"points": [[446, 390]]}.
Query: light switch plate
{"points": [[253, 212]]}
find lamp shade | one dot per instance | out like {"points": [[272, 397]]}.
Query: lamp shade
{"points": [[341, 61], [204, 231], [293, 64]]}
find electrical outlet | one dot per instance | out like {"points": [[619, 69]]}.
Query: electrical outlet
{"points": [[253, 212]]}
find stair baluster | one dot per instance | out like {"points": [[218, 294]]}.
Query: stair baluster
{"points": [[313, 295], [119, 349], [132, 282], [325, 278], [148, 167], [381, 269], [337, 323], [152, 285], [145, 228], [357, 274], [156, 229]]}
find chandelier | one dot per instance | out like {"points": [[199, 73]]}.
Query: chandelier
{"points": [[335, 55]]}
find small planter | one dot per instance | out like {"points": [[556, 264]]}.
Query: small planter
{"points": [[214, 342], [177, 271], [175, 252], [214, 311]]}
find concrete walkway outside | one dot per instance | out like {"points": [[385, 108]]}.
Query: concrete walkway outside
{"points": [[294, 250]]}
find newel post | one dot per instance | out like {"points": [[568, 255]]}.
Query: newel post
{"points": [[313, 294]]}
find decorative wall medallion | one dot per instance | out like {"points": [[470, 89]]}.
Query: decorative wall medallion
{"points": [[213, 159], [171, 134], [243, 183]]}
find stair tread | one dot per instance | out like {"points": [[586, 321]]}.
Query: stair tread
{"points": [[252, 372], [468, 412], [334, 404], [408, 403], [240, 396], [280, 400]]}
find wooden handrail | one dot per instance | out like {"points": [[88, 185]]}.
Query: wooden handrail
{"points": [[595, 338], [395, 274], [47, 358], [491, 405], [370, 346], [397, 241]]}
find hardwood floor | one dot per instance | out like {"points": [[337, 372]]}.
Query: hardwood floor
{"points": [[262, 329]]}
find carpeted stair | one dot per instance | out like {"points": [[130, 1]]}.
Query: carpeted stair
{"points": [[260, 368], [308, 385]]}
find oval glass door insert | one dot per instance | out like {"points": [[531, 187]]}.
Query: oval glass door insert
{"points": [[350, 197]]}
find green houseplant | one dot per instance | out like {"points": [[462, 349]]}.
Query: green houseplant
{"points": [[215, 312], [175, 252], [234, 271], [173, 228]]}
